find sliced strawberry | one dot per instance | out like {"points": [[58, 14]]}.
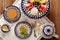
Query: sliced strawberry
{"points": [[42, 7], [30, 5]]}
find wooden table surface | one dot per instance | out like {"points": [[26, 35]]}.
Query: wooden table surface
{"points": [[5, 3], [54, 14]]}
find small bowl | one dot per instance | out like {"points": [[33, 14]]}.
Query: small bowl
{"points": [[11, 18], [5, 31]]}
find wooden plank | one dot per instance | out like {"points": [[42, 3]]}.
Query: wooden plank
{"points": [[5, 3], [55, 14], [1, 7]]}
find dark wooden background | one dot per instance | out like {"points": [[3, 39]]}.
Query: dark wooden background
{"points": [[54, 14]]}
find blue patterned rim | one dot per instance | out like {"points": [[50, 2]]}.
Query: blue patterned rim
{"points": [[32, 16], [45, 33], [7, 27], [15, 30], [6, 17]]}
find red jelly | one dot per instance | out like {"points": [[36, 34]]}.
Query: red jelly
{"points": [[43, 8], [30, 5]]}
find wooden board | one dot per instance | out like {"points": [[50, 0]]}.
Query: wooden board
{"points": [[54, 14], [5, 3]]}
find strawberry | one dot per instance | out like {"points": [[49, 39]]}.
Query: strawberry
{"points": [[30, 5], [42, 7]]}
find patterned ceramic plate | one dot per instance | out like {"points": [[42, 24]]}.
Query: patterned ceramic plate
{"points": [[12, 13], [35, 8], [23, 30]]}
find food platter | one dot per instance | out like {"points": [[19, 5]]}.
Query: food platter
{"points": [[11, 14], [35, 9], [23, 30]]}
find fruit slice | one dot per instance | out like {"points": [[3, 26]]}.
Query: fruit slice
{"points": [[43, 1], [29, 5], [37, 1], [30, 0], [43, 8]]}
